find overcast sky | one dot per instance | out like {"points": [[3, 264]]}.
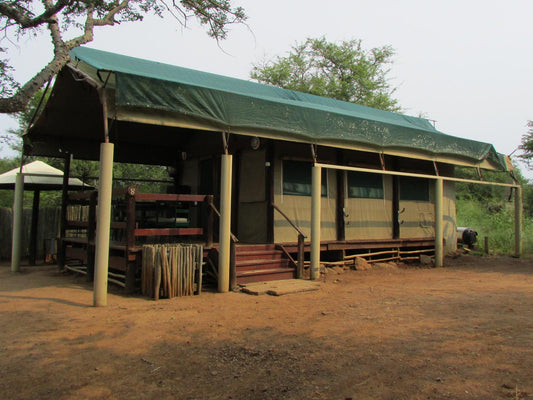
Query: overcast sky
{"points": [[466, 64]]}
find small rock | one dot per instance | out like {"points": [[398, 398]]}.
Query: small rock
{"points": [[338, 270], [361, 264], [426, 260]]}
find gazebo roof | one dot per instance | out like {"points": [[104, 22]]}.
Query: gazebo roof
{"points": [[40, 176]]}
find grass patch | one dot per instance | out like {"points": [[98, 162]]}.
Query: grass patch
{"points": [[495, 220]]}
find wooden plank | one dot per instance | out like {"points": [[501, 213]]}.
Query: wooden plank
{"points": [[118, 225], [169, 232], [169, 197], [118, 262], [77, 224], [72, 197]]}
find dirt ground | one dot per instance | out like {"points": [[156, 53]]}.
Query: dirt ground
{"points": [[464, 331]]}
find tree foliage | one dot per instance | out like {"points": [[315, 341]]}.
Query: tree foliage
{"points": [[343, 71], [76, 20], [526, 147]]}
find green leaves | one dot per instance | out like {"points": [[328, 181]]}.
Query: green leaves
{"points": [[343, 71], [527, 145], [76, 20]]}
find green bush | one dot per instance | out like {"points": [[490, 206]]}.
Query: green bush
{"points": [[495, 220]]}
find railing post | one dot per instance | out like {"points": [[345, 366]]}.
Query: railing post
{"points": [[131, 266], [130, 216], [209, 227], [232, 266], [301, 255]]}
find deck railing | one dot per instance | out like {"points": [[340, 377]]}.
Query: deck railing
{"points": [[301, 240]]}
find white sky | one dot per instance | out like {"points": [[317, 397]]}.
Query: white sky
{"points": [[467, 64]]}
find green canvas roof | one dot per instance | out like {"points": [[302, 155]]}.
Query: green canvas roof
{"points": [[184, 97]]}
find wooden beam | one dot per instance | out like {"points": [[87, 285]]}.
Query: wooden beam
{"points": [[34, 227], [168, 232]]}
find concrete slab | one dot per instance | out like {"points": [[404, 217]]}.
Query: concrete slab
{"points": [[281, 287]]}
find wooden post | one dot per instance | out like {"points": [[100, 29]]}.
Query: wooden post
{"points": [[269, 188], [395, 207], [486, 244], [439, 234], [232, 266], [210, 222], [91, 235], [103, 225], [63, 217], [301, 257], [518, 221], [34, 227], [18, 203], [130, 217], [341, 204], [316, 189], [131, 266], [225, 223]]}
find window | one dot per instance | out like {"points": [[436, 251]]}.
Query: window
{"points": [[363, 185], [297, 178], [414, 189]]}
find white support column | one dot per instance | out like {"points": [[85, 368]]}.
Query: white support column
{"points": [[439, 234], [518, 221], [225, 223], [16, 243], [316, 193], [103, 225]]}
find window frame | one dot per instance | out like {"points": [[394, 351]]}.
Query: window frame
{"points": [[380, 188], [309, 175], [411, 194]]}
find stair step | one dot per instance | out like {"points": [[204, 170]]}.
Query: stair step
{"points": [[262, 275], [259, 255], [245, 265], [254, 247]]}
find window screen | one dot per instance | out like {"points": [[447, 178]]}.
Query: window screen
{"points": [[362, 185], [297, 178], [414, 189]]}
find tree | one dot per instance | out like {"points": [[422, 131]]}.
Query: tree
{"points": [[343, 71], [64, 18], [526, 146]]}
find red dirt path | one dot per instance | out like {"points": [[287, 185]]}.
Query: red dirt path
{"points": [[460, 332]]}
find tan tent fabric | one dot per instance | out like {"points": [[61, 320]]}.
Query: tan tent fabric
{"points": [[370, 218], [298, 209]]}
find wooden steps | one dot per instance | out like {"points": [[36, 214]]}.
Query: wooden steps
{"points": [[259, 263]]}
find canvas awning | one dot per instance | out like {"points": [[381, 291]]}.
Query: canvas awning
{"points": [[145, 93]]}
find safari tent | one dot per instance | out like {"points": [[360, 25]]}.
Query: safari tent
{"points": [[302, 174]]}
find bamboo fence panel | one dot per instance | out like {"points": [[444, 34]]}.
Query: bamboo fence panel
{"points": [[171, 270]]}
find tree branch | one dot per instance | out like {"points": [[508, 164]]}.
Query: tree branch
{"points": [[24, 21], [109, 18]]}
